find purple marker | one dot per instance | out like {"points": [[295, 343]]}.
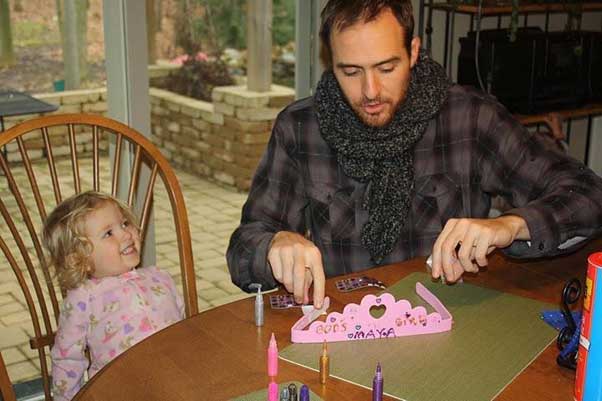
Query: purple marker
{"points": [[377, 384], [304, 393]]}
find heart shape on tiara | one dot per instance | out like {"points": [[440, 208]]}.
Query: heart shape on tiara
{"points": [[377, 311]]}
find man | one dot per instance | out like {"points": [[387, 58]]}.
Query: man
{"points": [[388, 161]]}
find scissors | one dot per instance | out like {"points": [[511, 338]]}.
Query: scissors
{"points": [[568, 338]]}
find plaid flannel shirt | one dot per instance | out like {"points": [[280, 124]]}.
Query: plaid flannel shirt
{"points": [[472, 150]]}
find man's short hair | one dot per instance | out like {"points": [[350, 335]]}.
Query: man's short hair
{"points": [[341, 14]]}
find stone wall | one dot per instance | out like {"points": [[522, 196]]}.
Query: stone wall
{"points": [[92, 101], [222, 141]]}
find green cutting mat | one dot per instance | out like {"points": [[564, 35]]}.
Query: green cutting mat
{"points": [[494, 337], [262, 395]]}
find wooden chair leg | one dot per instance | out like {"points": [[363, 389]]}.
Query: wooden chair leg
{"points": [[6, 387]]}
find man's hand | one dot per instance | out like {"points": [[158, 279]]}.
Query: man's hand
{"points": [[297, 263], [475, 238]]}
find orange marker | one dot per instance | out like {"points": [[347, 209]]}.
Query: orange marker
{"points": [[324, 364]]}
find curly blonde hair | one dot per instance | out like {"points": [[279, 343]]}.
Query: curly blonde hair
{"points": [[64, 238]]}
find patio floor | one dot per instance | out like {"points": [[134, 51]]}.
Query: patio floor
{"points": [[213, 213]]}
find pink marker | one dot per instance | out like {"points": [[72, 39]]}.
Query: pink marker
{"points": [[273, 391], [273, 358]]}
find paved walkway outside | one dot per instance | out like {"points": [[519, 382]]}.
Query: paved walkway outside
{"points": [[213, 212]]}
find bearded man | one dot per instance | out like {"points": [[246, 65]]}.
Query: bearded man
{"points": [[389, 160]]}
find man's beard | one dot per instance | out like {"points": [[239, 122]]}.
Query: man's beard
{"points": [[376, 120]]}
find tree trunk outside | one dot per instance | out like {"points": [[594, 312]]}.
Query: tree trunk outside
{"points": [[158, 14], [70, 46], [7, 55], [259, 45], [72, 18], [81, 13], [151, 31], [61, 21]]}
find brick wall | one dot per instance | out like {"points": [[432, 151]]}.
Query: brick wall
{"points": [[222, 140], [92, 101]]}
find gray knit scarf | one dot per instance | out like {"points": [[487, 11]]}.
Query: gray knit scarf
{"points": [[384, 156]]}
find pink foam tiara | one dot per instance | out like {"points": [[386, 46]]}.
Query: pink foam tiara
{"points": [[357, 323]]}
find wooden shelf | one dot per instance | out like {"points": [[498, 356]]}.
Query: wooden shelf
{"points": [[523, 9], [585, 111]]}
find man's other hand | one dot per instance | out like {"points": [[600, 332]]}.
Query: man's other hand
{"points": [[297, 263], [464, 244]]}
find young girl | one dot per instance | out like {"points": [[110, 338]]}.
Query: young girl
{"points": [[94, 246]]}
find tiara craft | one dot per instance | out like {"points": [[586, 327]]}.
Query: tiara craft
{"points": [[357, 323]]}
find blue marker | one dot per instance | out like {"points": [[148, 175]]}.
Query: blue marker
{"points": [[304, 393]]}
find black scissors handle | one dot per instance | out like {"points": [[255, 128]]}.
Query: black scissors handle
{"points": [[570, 294]]}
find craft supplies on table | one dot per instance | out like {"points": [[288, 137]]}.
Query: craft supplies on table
{"points": [[377, 384], [285, 395], [569, 330], [588, 380], [356, 283], [258, 304], [324, 364], [492, 332], [272, 391], [292, 391], [305, 393], [273, 357], [357, 323], [285, 301]]}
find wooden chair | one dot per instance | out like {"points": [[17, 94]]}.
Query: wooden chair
{"points": [[24, 206], [6, 388]]}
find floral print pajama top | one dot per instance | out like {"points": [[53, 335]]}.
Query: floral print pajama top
{"points": [[107, 316]]}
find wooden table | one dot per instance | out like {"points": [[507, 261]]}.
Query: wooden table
{"points": [[220, 353]]}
